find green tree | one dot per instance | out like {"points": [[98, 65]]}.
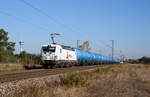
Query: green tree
{"points": [[145, 60], [6, 47], [85, 46]]}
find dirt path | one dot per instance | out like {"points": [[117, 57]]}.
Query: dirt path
{"points": [[131, 80]]}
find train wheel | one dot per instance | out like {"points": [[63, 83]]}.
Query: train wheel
{"points": [[70, 64], [53, 67], [67, 65], [45, 66]]}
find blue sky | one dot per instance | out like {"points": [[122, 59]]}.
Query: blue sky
{"points": [[127, 22]]}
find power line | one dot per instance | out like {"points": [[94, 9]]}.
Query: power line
{"points": [[112, 47], [105, 44], [47, 15], [99, 48], [114, 51], [22, 20]]}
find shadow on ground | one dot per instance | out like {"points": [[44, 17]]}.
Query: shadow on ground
{"points": [[33, 67]]}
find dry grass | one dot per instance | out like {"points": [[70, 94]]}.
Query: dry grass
{"points": [[85, 84], [143, 71], [11, 67]]}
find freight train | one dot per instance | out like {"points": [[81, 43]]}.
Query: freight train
{"points": [[56, 55]]}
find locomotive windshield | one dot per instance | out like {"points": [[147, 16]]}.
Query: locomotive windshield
{"points": [[49, 49]]}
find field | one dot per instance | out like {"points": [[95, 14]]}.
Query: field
{"points": [[126, 80]]}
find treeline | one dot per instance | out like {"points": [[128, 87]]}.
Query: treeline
{"points": [[7, 49], [144, 60]]}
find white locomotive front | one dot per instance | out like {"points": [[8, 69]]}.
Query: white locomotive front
{"points": [[57, 55]]}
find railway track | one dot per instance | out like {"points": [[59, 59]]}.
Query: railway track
{"points": [[14, 76]]}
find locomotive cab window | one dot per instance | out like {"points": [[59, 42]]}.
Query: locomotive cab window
{"points": [[49, 49], [45, 49], [52, 49]]}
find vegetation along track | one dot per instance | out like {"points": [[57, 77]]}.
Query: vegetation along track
{"points": [[13, 76]]}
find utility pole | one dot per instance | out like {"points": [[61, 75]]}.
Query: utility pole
{"points": [[112, 48], [21, 43], [78, 44]]}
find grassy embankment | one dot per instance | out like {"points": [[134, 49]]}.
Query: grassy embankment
{"points": [[11, 67], [83, 84], [18, 66]]}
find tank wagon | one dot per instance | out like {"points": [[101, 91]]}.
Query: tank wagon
{"points": [[56, 55]]}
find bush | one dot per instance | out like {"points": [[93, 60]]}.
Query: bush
{"points": [[133, 61], [27, 58], [73, 80], [97, 70]]}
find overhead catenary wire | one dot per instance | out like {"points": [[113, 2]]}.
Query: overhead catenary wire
{"points": [[52, 18], [115, 51], [47, 15], [105, 44], [23, 20], [99, 48], [39, 10], [118, 53]]}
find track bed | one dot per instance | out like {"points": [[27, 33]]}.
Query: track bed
{"points": [[19, 75]]}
